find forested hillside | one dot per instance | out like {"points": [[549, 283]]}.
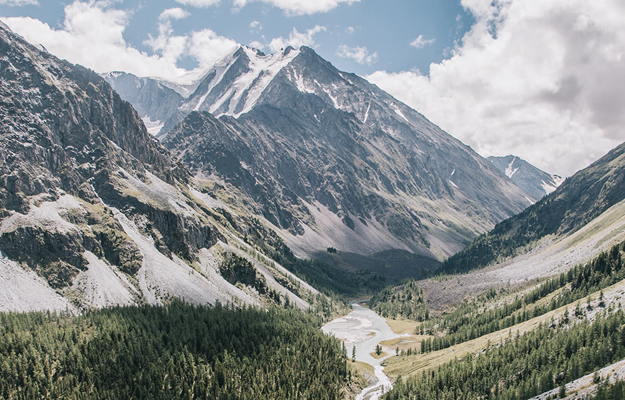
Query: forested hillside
{"points": [[524, 366], [586, 334], [471, 320], [171, 352]]}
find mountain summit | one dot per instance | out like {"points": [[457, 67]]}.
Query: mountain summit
{"points": [[536, 182], [331, 160]]}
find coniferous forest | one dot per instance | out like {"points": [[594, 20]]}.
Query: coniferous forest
{"points": [[176, 351], [524, 366], [468, 322], [404, 301]]}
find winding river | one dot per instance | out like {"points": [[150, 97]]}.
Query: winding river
{"points": [[364, 329]]}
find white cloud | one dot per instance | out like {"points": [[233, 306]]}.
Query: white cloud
{"points": [[296, 39], [298, 7], [92, 35], [421, 42], [359, 54], [255, 27], [544, 80], [173, 13], [350, 30], [18, 3], [208, 47], [255, 44], [198, 3], [169, 46]]}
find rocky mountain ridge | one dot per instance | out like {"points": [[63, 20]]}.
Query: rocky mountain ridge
{"points": [[578, 201], [95, 212], [537, 183]]}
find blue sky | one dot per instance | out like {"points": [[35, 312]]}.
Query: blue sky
{"points": [[540, 79], [381, 29]]}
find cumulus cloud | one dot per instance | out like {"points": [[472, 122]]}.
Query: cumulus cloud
{"points": [[296, 39], [297, 7], [18, 3], [169, 46], [359, 54], [540, 79], [173, 13], [207, 47], [255, 44], [420, 42], [92, 35], [198, 3]]}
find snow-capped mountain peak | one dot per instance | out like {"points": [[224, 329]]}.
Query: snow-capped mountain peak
{"points": [[234, 85]]}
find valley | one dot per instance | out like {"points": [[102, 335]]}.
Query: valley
{"points": [[210, 239]]}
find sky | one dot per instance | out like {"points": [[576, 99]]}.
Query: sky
{"points": [[540, 79]]}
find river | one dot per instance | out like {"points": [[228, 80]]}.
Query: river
{"points": [[364, 329]]}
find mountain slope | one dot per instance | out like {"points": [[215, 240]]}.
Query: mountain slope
{"points": [[575, 203], [101, 212], [535, 182], [332, 160]]}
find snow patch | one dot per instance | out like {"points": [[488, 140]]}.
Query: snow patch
{"points": [[398, 112], [253, 83], [453, 184], [333, 98], [509, 170], [153, 127], [367, 114], [301, 83], [220, 71]]}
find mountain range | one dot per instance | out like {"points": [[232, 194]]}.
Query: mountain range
{"points": [[215, 188], [578, 201], [325, 157], [96, 212]]}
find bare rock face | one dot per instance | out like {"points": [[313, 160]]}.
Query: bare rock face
{"points": [[96, 206]]}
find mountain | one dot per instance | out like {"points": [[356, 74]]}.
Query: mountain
{"points": [[96, 212], [154, 101], [331, 160], [535, 182], [578, 201]]}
